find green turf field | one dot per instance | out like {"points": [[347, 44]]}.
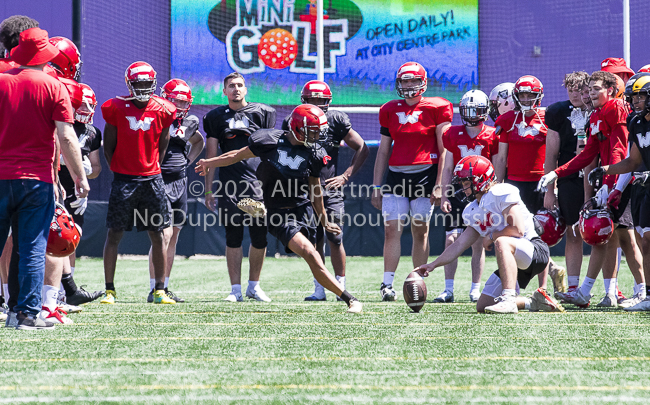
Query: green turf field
{"points": [[290, 352]]}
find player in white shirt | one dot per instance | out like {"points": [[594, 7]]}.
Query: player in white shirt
{"points": [[497, 211]]}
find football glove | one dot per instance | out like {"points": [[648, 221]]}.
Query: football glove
{"points": [[546, 180], [601, 196], [596, 177], [255, 208], [641, 178]]}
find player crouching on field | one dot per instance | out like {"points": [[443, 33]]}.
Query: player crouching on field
{"points": [[497, 211], [293, 160]]}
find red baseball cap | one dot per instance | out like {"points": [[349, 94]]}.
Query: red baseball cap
{"points": [[615, 65], [34, 48]]}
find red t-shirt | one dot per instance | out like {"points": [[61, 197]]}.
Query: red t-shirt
{"points": [[31, 101], [460, 144], [413, 129], [526, 139], [6, 64], [610, 122], [138, 134]]}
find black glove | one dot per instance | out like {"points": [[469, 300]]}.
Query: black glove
{"points": [[641, 178], [596, 177]]}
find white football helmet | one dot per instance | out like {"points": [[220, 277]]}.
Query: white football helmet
{"points": [[501, 100], [474, 107]]}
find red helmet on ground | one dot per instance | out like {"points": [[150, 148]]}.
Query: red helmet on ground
{"points": [[476, 169], [553, 224], [68, 62], [178, 92], [64, 234], [316, 89], [308, 124], [644, 69], [140, 72], [528, 84], [595, 224], [76, 94], [86, 111], [408, 71]]}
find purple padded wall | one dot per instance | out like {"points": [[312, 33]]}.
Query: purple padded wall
{"points": [[53, 16]]}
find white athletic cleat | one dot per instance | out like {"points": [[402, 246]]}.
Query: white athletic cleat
{"points": [[474, 295], [541, 301], [257, 294], [57, 317], [355, 307], [578, 298], [633, 300], [504, 305], [641, 306], [387, 292], [234, 298], [445, 297], [608, 301]]}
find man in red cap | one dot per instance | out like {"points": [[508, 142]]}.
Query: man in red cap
{"points": [[618, 67], [35, 106]]}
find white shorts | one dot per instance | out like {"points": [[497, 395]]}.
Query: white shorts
{"points": [[493, 287], [395, 207], [641, 231]]}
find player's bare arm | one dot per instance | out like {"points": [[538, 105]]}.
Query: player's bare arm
{"points": [[361, 151], [461, 244], [442, 154], [225, 159], [196, 146], [316, 194], [550, 164], [95, 164], [381, 164], [445, 205], [499, 161], [162, 144], [110, 142], [72, 154]]}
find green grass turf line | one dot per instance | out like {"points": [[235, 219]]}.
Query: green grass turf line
{"points": [[292, 352]]}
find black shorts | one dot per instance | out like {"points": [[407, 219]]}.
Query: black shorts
{"points": [[176, 190], [541, 256], [643, 195], [622, 216], [285, 223], [141, 203], [78, 219], [234, 220], [411, 185], [570, 198], [335, 211], [454, 219], [637, 198], [533, 200]]}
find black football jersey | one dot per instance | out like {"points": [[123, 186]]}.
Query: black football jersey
{"points": [[285, 168], [639, 129], [232, 129], [90, 139], [175, 161], [562, 117]]}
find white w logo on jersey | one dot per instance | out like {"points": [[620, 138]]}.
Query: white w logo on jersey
{"points": [[140, 124], [465, 151], [234, 124], [291, 162], [595, 128], [644, 140], [409, 119]]}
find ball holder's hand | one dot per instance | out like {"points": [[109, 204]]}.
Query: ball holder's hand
{"points": [[546, 179], [425, 269]]}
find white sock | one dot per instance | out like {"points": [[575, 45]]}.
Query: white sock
{"points": [[5, 292], [527, 302], [72, 270], [640, 289], [166, 282], [49, 294], [574, 281], [610, 286], [152, 283], [389, 276], [341, 280], [509, 292], [475, 287], [252, 285], [235, 289], [587, 285], [449, 285]]}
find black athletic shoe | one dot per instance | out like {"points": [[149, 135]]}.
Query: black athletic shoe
{"points": [[150, 297], [173, 296], [82, 296], [26, 322]]}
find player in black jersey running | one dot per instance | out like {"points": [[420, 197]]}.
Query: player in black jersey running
{"points": [[291, 163]]}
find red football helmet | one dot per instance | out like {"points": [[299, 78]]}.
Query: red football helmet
{"points": [[476, 169], [308, 124], [554, 226], [528, 84], [408, 71], [644, 69], [64, 234], [179, 93], [76, 94], [68, 62], [139, 74], [315, 89], [595, 224], [86, 111]]}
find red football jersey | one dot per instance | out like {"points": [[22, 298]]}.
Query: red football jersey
{"points": [[413, 129], [610, 122], [526, 139], [460, 144], [138, 134], [6, 64]]}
